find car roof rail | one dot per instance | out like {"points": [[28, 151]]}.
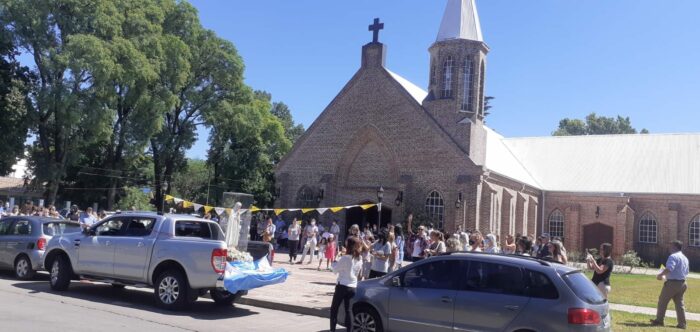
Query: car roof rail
{"points": [[544, 262]]}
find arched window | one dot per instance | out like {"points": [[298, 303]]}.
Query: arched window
{"points": [[482, 73], [435, 208], [305, 197], [433, 74], [556, 224], [447, 78], [694, 232], [468, 85], [647, 228]]}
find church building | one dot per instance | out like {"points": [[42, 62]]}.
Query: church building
{"points": [[432, 155]]}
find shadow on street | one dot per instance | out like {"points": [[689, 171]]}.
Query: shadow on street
{"points": [[142, 299]]}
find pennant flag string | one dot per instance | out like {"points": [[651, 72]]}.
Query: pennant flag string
{"points": [[253, 209]]}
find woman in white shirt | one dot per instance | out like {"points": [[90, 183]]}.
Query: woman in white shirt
{"points": [[348, 268], [293, 233]]}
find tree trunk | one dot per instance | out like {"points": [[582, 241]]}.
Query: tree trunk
{"points": [[157, 176]]}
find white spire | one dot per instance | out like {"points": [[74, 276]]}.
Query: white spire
{"points": [[461, 21]]}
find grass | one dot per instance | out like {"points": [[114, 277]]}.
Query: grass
{"points": [[644, 290], [625, 321]]}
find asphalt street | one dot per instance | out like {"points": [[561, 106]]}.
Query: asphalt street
{"points": [[32, 306]]}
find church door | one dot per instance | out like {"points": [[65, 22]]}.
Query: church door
{"points": [[367, 217], [596, 234]]}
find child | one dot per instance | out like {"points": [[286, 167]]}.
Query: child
{"points": [[322, 251], [330, 251]]}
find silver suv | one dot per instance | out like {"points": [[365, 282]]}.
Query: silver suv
{"points": [[480, 292], [23, 242]]}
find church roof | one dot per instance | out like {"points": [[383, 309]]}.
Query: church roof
{"points": [[501, 160], [460, 21], [415, 91], [650, 163]]}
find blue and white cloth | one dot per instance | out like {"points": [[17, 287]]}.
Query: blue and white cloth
{"points": [[240, 276]]}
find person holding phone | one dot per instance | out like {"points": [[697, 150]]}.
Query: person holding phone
{"points": [[602, 268]]}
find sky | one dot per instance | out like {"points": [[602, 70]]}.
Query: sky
{"points": [[549, 59]]}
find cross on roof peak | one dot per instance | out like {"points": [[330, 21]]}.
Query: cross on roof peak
{"points": [[375, 30]]}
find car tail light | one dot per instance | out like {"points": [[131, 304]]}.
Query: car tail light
{"points": [[218, 260], [579, 316], [41, 243]]}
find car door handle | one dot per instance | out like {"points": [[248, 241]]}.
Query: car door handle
{"points": [[446, 299], [512, 307], [76, 243], [140, 244], [108, 243]]}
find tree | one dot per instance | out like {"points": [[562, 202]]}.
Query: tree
{"points": [[14, 104], [122, 66], [245, 148], [135, 198], [487, 105], [63, 119], [193, 181], [596, 125], [292, 130], [213, 82]]}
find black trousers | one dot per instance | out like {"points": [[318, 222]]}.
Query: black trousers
{"points": [[342, 294], [376, 274], [293, 249]]}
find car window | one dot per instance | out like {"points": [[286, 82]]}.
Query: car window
{"points": [[540, 286], [139, 226], [111, 227], [5, 226], [201, 229], [495, 278], [60, 228], [441, 274], [21, 227], [584, 287]]}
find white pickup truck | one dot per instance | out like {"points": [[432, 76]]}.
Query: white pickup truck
{"points": [[180, 256]]}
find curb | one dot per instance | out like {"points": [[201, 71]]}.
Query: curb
{"points": [[297, 309]]}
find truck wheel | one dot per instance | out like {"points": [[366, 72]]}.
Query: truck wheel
{"points": [[172, 290], [61, 272], [223, 298], [23, 268]]}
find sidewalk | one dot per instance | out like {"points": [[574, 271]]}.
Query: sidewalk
{"points": [[308, 291]]}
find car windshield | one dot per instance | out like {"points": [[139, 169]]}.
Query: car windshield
{"points": [[583, 287], [60, 228]]}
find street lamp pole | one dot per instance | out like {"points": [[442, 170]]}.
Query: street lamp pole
{"points": [[380, 196]]}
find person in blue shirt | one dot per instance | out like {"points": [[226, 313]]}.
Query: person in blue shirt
{"points": [[675, 273], [87, 219]]}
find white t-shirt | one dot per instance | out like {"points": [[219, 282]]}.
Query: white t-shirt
{"points": [[378, 264], [294, 232], [347, 270], [416, 249]]}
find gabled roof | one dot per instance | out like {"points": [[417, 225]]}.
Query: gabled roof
{"points": [[460, 21], [416, 92], [652, 163], [501, 160]]}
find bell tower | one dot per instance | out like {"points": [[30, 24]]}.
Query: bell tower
{"points": [[457, 69]]}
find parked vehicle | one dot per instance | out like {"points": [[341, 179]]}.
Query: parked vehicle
{"points": [[180, 256], [23, 242], [480, 292]]}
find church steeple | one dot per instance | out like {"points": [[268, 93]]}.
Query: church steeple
{"points": [[460, 21], [457, 76]]}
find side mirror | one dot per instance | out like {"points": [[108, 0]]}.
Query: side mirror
{"points": [[88, 231], [396, 281]]}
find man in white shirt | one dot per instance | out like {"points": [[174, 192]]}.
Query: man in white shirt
{"points": [[335, 230], [311, 233], [87, 219], [675, 273]]}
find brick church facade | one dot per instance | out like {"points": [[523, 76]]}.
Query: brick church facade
{"points": [[434, 157]]}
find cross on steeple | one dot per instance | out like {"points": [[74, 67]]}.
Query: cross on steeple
{"points": [[375, 30]]}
